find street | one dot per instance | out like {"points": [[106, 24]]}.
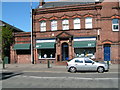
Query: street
{"points": [[57, 77]]}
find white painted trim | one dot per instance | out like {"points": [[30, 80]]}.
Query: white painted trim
{"points": [[85, 39], [43, 41], [79, 39]]}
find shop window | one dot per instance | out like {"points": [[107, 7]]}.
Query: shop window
{"points": [[88, 22], [46, 53], [53, 25], [115, 25], [85, 52], [65, 24], [23, 52], [77, 23], [43, 26]]}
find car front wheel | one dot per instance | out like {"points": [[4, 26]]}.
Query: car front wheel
{"points": [[72, 69], [100, 69]]}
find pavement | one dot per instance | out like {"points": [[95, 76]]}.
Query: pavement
{"points": [[44, 68]]}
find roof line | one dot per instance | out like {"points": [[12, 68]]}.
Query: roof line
{"points": [[11, 26]]}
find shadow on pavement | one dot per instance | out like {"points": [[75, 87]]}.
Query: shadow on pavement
{"points": [[7, 75]]}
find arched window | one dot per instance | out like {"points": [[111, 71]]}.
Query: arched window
{"points": [[76, 23], [88, 22], [65, 24], [43, 26], [54, 25], [115, 25]]}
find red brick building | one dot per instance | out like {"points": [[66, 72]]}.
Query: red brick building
{"points": [[6, 26], [64, 30]]}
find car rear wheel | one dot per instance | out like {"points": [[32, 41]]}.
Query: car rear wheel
{"points": [[72, 69], [100, 69]]}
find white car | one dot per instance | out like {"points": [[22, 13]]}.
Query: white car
{"points": [[86, 64]]}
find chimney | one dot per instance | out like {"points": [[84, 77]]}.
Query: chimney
{"points": [[41, 3]]}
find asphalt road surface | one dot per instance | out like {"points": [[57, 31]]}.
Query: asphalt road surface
{"points": [[51, 79]]}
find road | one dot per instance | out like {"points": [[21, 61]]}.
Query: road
{"points": [[57, 79]]}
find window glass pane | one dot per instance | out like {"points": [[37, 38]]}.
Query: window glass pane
{"points": [[76, 26], [65, 21], [76, 20], [88, 61], [88, 22], [76, 23], [88, 25], [53, 25], [78, 61], [115, 26], [43, 26], [65, 24], [115, 21], [50, 53]]}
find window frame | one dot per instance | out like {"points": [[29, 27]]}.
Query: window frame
{"points": [[88, 23], [53, 25], [76, 24], [65, 26], [42, 52], [43, 27], [113, 24]]}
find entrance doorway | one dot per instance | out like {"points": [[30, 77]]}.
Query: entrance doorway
{"points": [[65, 52], [107, 52]]}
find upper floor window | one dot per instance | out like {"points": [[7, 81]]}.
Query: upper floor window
{"points": [[77, 23], [65, 24], [88, 22], [43, 26], [115, 25], [53, 25]]}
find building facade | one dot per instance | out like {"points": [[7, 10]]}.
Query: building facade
{"points": [[20, 50], [64, 30], [6, 26]]}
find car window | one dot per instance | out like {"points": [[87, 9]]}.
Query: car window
{"points": [[88, 61], [78, 61]]}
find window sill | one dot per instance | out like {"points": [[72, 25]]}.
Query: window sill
{"points": [[115, 30]]}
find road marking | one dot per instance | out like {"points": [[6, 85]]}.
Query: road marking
{"points": [[74, 73], [48, 71], [78, 78]]}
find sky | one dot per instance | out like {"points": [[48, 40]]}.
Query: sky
{"points": [[18, 14]]}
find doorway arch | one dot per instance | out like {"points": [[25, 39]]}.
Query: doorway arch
{"points": [[65, 51]]}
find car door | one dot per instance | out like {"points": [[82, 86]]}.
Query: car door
{"points": [[79, 64], [89, 65]]}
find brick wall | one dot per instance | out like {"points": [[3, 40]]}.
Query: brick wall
{"points": [[24, 59], [101, 13]]}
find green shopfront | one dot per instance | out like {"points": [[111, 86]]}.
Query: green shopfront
{"points": [[62, 50], [85, 47], [45, 49], [22, 53]]}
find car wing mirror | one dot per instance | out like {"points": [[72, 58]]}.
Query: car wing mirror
{"points": [[92, 62]]}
